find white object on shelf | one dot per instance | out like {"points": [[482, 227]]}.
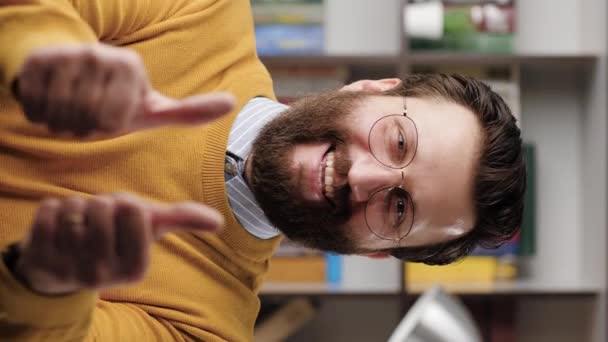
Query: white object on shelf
{"points": [[362, 27], [437, 317], [424, 20], [359, 272]]}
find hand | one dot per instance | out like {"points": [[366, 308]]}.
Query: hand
{"points": [[103, 241], [86, 88]]}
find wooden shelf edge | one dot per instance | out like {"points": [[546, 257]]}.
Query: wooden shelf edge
{"points": [[330, 60], [515, 288], [435, 58], [294, 288]]}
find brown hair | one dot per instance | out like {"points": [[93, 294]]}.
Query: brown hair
{"points": [[501, 176]]}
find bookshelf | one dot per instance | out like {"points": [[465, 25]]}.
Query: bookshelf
{"points": [[562, 63], [436, 58]]}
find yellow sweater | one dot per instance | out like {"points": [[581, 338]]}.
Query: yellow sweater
{"points": [[199, 286]]}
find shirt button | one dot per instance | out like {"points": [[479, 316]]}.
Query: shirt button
{"points": [[230, 169]]}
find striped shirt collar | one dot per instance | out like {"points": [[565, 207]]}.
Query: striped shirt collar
{"points": [[248, 124]]}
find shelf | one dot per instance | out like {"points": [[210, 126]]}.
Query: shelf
{"points": [[518, 288], [279, 288], [435, 58], [331, 60]]}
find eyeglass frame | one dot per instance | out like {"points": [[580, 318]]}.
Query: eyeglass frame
{"points": [[389, 188]]}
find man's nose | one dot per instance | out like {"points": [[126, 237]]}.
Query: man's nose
{"points": [[368, 176]]}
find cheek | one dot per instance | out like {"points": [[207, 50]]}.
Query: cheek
{"points": [[359, 231], [357, 227]]}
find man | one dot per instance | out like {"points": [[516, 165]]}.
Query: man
{"points": [[423, 174]]}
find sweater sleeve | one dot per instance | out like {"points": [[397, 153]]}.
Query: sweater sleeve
{"points": [[26, 25], [27, 316], [29, 24]]}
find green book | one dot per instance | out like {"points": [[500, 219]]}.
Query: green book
{"points": [[527, 239]]}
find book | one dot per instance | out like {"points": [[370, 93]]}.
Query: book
{"points": [[288, 13], [477, 269], [528, 229], [285, 39], [304, 268], [294, 81], [254, 2]]}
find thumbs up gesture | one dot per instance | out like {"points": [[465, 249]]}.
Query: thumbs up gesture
{"points": [[98, 88], [100, 242]]}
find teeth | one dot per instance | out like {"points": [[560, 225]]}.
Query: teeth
{"points": [[329, 175]]}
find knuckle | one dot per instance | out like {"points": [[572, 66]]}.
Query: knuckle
{"points": [[74, 202], [126, 199], [100, 203], [50, 203]]}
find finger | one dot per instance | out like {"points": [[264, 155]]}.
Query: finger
{"points": [[133, 236], [95, 266], [184, 216], [195, 110], [60, 94], [88, 94], [121, 100], [31, 88], [38, 247], [69, 233]]}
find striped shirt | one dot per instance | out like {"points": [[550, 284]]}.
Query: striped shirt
{"points": [[256, 113]]}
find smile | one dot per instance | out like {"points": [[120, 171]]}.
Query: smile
{"points": [[326, 174]]}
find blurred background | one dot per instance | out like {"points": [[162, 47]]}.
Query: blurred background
{"points": [[547, 58]]}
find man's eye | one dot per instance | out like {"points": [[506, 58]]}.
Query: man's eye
{"points": [[398, 207], [399, 146]]}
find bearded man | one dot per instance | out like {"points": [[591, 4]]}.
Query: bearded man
{"points": [[422, 169]]}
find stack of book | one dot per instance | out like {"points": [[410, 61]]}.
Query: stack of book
{"points": [[288, 27], [293, 263], [294, 81], [479, 26]]}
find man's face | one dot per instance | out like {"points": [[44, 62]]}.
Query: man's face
{"points": [[291, 168]]}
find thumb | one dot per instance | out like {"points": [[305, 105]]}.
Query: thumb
{"points": [[160, 110], [184, 216]]}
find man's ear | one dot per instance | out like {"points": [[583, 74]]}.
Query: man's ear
{"points": [[378, 255], [373, 86]]}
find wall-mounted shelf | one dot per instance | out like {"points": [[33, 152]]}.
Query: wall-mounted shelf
{"points": [[435, 58], [515, 288], [323, 289]]}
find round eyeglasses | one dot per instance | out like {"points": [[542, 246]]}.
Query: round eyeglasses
{"points": [[393, 141]]}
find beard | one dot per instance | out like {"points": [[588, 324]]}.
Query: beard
{"points": [[315, 119]]}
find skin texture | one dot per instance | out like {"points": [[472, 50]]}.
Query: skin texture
{"points": [[439, 179]]}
